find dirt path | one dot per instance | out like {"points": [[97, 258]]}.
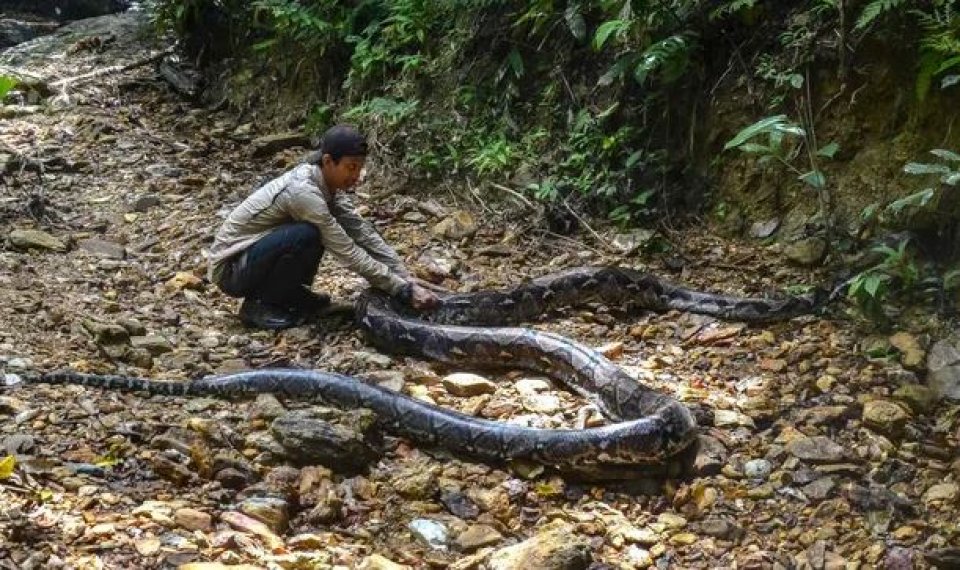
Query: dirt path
{"points": [[821, 457]]}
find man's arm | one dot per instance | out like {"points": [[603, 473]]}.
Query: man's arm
{"points": [[367, 236], [308, 206]]}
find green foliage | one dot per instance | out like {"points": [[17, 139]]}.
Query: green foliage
{"points": [[872, 288], [6, 85], [874, 10]]}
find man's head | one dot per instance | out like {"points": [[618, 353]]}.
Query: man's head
{"points": [[344, 152]]}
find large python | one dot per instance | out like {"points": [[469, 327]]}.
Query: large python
{"points": [[650, 427]]}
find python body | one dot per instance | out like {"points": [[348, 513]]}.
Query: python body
{"points": [[650, 427]]}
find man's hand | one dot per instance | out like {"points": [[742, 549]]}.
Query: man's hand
{"points": [[421, 299]]}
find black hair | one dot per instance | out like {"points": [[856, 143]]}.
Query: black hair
{"points": [[341, 141]]}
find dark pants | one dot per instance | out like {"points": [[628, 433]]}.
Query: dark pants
{"points": [[276, 268]]}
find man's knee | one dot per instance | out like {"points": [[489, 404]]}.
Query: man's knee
{"points": [[304, 234]]}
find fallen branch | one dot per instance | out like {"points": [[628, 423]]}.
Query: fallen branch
{"points": [[113, 69], [515, 194]]}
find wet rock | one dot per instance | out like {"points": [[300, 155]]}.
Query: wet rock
{"points": [[152, 343], [943, 368], [477, 536], [192, 519], [819, 449], [310, 438], [885, 416], [806, 252], [103, 248], [920, 398], [555, 549], [232, 478], [273, 512], [432, 533], [458, 225], [464, 384], [911, 354], [35, 239]]}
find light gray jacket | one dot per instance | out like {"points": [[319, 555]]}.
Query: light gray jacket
{"points": [[300, 195]]}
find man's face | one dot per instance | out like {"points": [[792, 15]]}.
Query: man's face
{"points": [[344, 174]]}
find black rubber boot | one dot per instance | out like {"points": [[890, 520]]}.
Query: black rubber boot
{"points": [[256, 313]]}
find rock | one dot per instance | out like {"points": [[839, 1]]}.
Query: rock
{"points": [[557, 549], [106, 333], [390, 379], [806, 252], [377, 562], [764, 229], [711, 455], [757, 469], [247, 524], [11, 406], [152, 343], [217, 566], [946, 492], [818, 449], [18, 444], [460, 505], [627, 243], [103, 248], [613, 350], [671, 521], [35, 239], [920, 398], [431, 532], [13, 32], [145, 202], [458, 225], [267, 407], [911, 355], [464, 384], [192, 519], [819, 489], [417, 482], [311, 438], [270, 144], [718, 528], [271, 511], [477, 536], [183, 280], [943, 368], [885, 416], [436, 267]]}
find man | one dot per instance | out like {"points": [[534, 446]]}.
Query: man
{"points": [[268, 249]]}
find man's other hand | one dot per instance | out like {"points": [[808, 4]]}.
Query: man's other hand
{"points": [[421, 299]]}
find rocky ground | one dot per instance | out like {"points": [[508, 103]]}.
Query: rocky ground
{"points": [[830, 447]]}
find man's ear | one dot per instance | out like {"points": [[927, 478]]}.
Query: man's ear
{"points": [[326, 160]]}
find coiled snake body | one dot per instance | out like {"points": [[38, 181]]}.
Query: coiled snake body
{"points": [[651, 427]]}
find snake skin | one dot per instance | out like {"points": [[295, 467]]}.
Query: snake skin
{"points": [[650, 427]]}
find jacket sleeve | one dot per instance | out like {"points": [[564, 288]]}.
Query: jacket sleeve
{"points": [[367, 236], [305, 204]]}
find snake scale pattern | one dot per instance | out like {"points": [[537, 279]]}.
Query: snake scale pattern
{"points": [[649, 427]]}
